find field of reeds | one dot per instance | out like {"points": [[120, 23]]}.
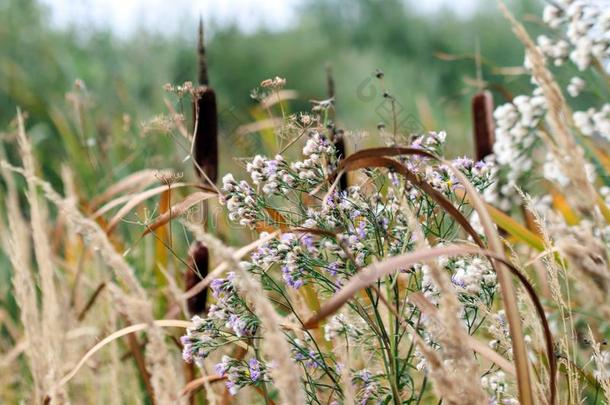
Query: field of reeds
{"points": [[334, 264]]}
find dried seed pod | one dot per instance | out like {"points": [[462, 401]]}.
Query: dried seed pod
{"points": [[199, 261], [483, 123]]}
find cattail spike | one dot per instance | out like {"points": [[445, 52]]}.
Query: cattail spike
{"points": [[483, 123], [205, 148], [205, 119], [199, 261], [201, 59]]}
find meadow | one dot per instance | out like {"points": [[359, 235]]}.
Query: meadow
{"points": [[399, 224]]}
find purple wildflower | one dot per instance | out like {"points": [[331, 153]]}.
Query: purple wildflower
{"points": [[255, 371]]}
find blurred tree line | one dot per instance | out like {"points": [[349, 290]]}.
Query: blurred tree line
{"points": [[39, 64]]}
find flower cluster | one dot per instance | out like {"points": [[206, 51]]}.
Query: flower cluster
{"points": [[472, 274], [241, 201], [328, 236], [228, 318], [586, 25], [579, 31], [495, 383], [370, 387], [516, 130], [269, 173], [240, 373], [594, 122], [339, 326]]}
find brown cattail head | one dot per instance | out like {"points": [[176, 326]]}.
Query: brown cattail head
{"points": [[198, 268], [205, 149], [482, 116], [205, 119]]}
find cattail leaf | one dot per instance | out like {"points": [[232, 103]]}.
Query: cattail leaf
{"points": [[561, 205], [122, 200], [278, 96], [133, 201], [178, 209], [163, 323], [194, 385], [385, 152], [134, 182], [515, 229], [262, 125], [483, 124]]}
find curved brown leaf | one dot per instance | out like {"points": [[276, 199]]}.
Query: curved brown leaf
{"points": [[135, 200], [362, 160], [178, 209], [135, 181], [370, 274]]}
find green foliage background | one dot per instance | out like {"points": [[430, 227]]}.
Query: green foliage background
{"points": [[38, 64]]}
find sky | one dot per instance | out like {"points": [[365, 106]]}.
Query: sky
{"points": [[125, 16]]}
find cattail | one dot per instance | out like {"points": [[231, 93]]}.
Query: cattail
{"points": [[337, 134], [482, 117], [198, 263], [205, 143]]}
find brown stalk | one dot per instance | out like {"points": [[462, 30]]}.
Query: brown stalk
{"points": [[177, 210], [134, 347], [91, 301]]}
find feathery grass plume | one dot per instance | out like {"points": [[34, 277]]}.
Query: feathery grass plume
{"points": [[139, 309], [17, 243], [454, 371], [483, 124], [561, 142], [566, 338], [601, 359], [51, 323], [587, 254], [198, 269], [507, 290], [337, 134], [286, 374]]}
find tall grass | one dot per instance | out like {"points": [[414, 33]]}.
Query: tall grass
{"points": [[420, 280]]}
